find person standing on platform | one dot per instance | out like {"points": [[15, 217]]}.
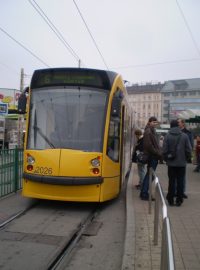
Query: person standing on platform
{"points": [[152, 150], [176, 150], [197, 151], [139, 148], [181, 124]]}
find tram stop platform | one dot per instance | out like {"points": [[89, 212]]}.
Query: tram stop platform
{"points": [[140, 251]]}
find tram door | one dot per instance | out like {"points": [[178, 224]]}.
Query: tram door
{"points": [[111, 170]]}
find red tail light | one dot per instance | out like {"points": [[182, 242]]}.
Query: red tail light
{"points": [[95, 170], [29, 167]]}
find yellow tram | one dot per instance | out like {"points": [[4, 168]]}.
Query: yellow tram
{"points": [[78, 140]]}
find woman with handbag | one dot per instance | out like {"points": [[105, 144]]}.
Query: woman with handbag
{"points": [[139, 149]]}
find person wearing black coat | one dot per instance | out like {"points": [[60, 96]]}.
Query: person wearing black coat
{"points": [[153, 151], [176, 151]]}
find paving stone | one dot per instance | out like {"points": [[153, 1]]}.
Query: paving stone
{"points": [[184, 221]]}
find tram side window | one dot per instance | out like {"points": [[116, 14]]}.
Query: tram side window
{"points": [[113, 145], [113, 140]]}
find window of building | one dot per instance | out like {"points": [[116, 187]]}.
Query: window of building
{"points": [[183, 94], [192, 93]]}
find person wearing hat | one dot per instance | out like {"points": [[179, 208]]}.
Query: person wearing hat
{"points": [[153, 151]]}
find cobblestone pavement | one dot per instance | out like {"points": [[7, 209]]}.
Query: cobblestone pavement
{"points": [[185, 225], [147, 255]]}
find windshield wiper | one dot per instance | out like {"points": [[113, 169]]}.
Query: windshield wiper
{"points": [[44, 136]]}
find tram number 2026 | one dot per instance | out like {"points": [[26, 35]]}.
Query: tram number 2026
{"points": [[43, 170]]}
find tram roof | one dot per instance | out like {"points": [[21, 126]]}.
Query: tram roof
{"points": [[73, 77]]}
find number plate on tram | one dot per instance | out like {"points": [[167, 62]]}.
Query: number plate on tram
{"points": [[43, 170]]}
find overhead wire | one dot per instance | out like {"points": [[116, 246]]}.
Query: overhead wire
{"points": [[157, 63], [25, 48], [175, 61], [7, 67], [188, 27], [70, 49], [95, 43], [54, 29]]}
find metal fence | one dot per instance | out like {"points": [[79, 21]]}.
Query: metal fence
{"points": [[167, 251], [11, 166]]}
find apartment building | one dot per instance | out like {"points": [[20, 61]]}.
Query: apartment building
{"points": [[145, 100], [167, 101]]}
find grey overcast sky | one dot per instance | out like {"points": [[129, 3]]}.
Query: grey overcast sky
{"points": [[143, 40]]}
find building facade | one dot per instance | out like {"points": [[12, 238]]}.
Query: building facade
{"points": [[145, 100], [180, 98], [170, 100]]}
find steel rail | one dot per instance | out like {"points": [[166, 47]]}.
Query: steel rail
{"points": [[65, 253], [167, 251]]}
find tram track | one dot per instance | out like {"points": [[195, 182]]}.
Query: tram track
{"points": [[41, 236], [58, 235], [17, 215], [65, 253], [101, 243]]}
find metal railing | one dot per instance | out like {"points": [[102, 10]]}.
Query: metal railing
{"points": [[167, 252], [11, 164]]}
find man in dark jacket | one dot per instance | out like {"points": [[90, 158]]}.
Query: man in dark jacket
{"points": [[176, 144], [152, 149], [181, 124]]}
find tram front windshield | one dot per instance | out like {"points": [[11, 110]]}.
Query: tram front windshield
{"points": [[67, 118]]}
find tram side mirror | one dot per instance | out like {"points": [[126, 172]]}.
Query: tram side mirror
{"points": [[22, 103], [116, 107]]}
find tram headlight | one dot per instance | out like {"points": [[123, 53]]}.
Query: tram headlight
{"points": [[95, 162], [30, 160]]}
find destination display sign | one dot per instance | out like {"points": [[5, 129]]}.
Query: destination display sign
{"points": [[72, 77]]}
